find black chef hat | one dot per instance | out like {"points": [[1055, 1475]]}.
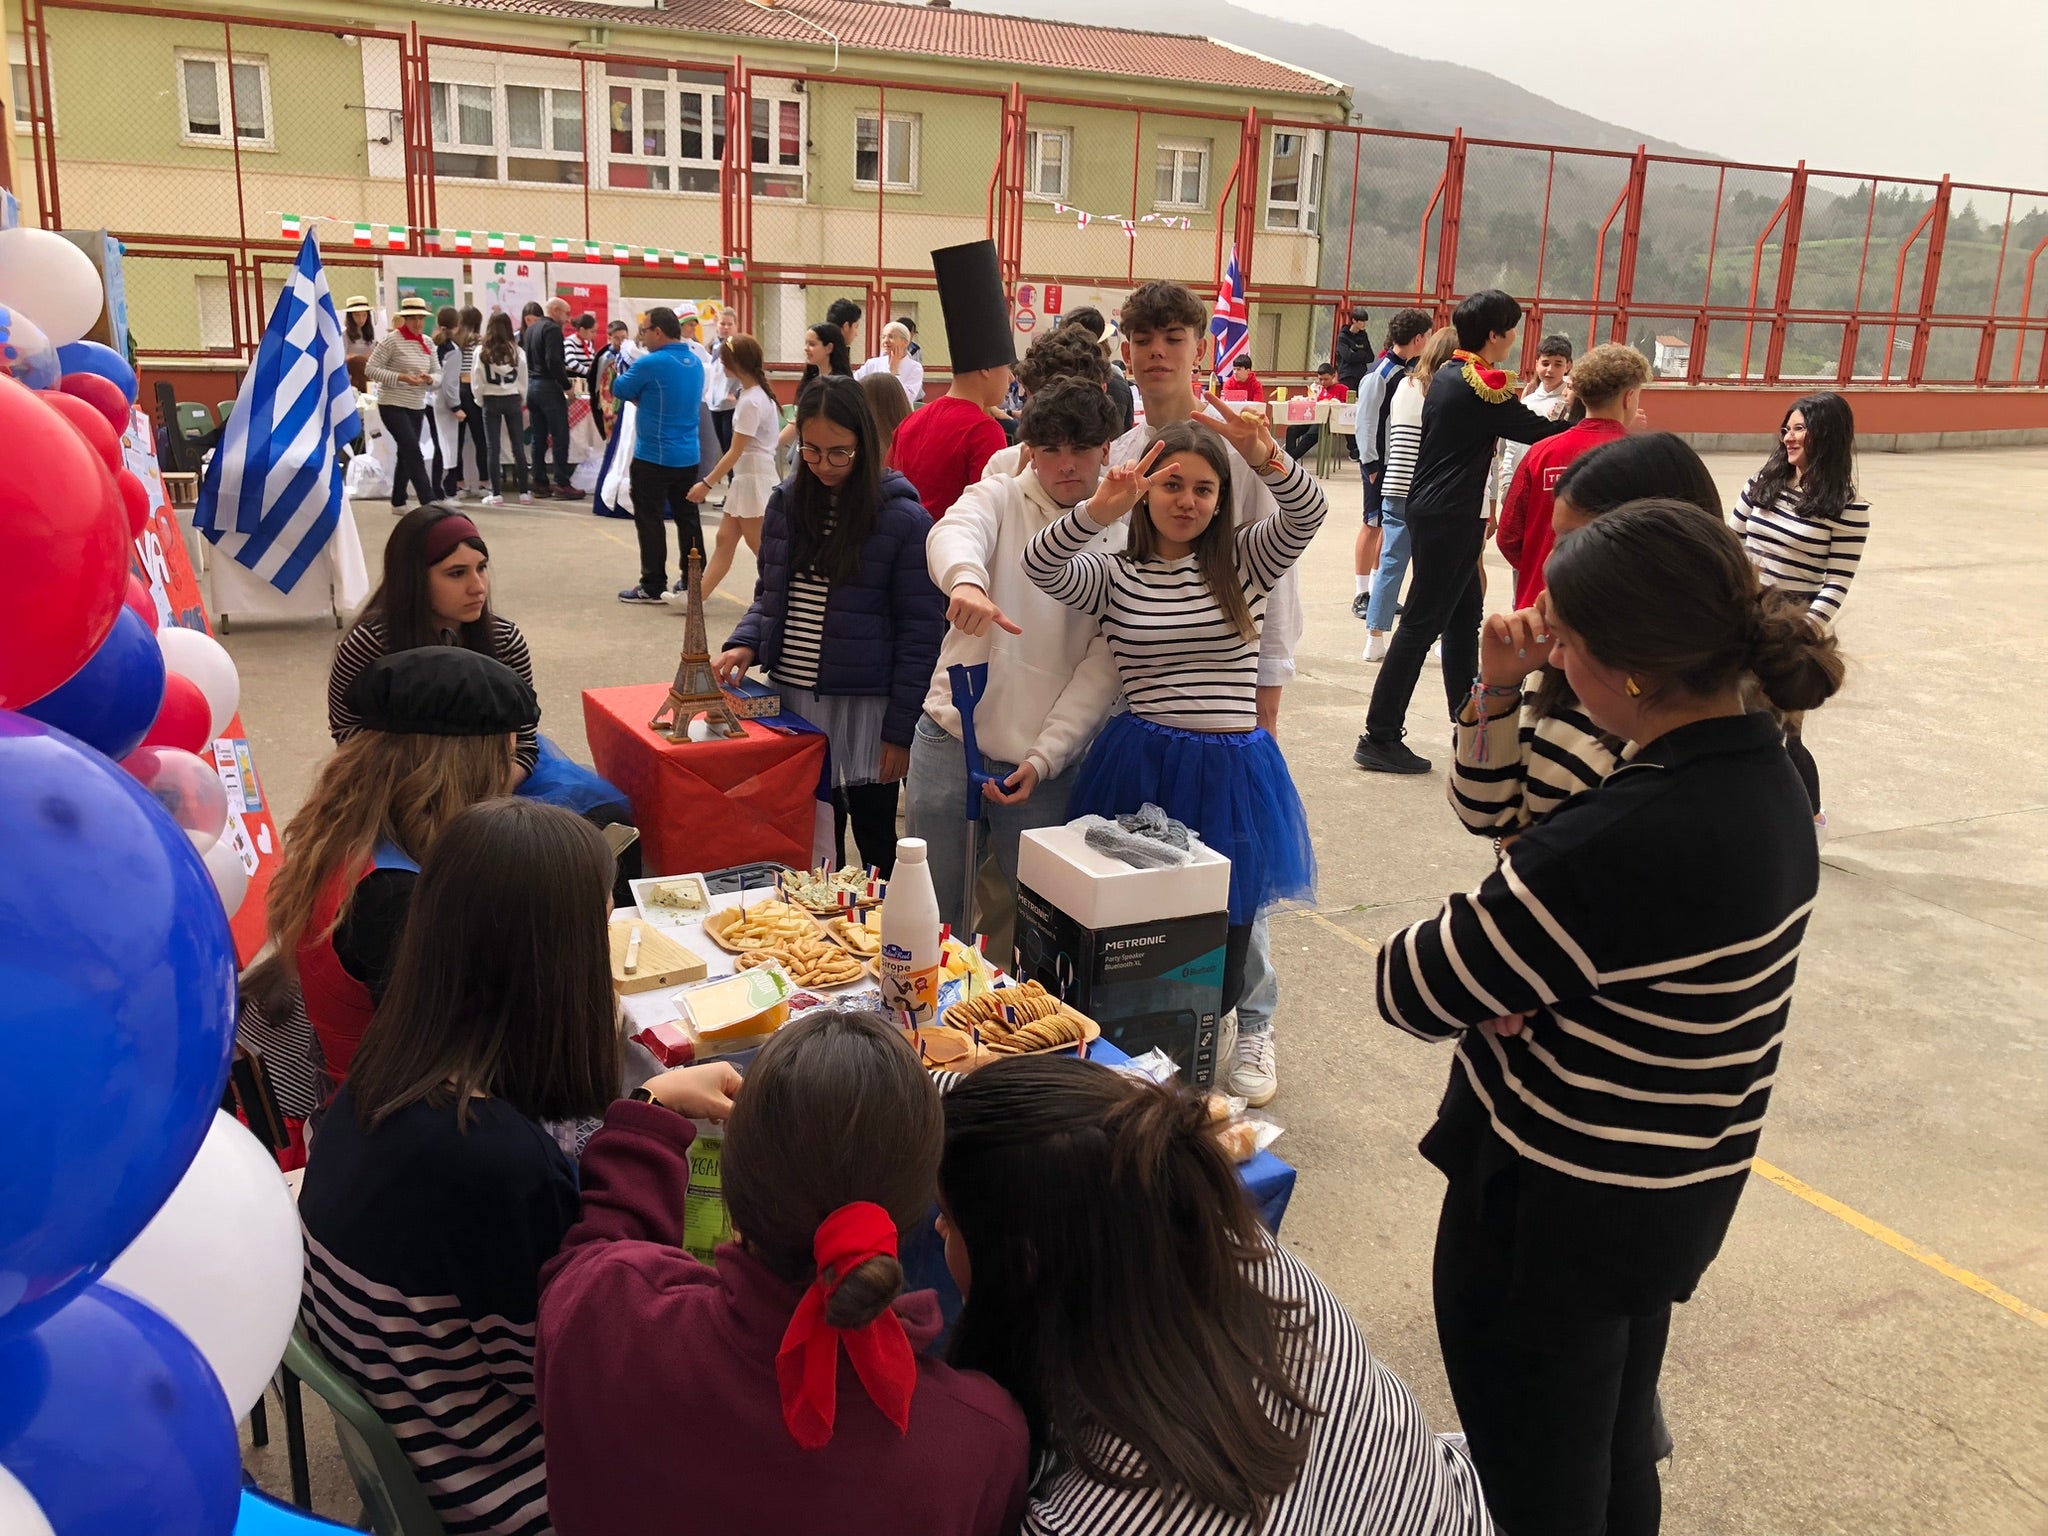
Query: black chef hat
{"points": [[970, 282], [442, 690]]}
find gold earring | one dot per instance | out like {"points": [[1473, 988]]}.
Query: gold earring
{"points": [[1634, 689]]}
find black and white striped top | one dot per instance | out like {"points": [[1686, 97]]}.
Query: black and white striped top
{"points": [[367, 641], [424, 1245], [1531, 765], [803, 629], [1810, 557], [1404, 439], [1373, 1465], [1650, 929], [1182, 662]]}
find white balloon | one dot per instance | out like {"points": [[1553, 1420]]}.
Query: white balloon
{"points": [[20, 1514], [229, 878], [196, 656], [51, 281], [223, 1260]]}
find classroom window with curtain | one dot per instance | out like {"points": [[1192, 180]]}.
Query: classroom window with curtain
{"points": [[494, 126], [885, 151], [1047, 153], [664, 129], [1181, 174]]}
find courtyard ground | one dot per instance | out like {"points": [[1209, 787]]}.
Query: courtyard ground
{"points": [[1868, 1354]]}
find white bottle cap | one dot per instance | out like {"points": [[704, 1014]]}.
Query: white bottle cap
{"points": [[909, 850]]}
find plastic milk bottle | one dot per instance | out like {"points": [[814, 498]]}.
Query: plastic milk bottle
{"points": [[910, 937]]}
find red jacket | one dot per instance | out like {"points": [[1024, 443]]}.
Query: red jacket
{"points": [[1526, 536], [656, 1381]]}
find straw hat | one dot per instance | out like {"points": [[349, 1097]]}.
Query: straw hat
{"points": [[413, 306], [354, 301]]}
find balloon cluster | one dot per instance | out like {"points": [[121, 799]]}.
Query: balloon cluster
{"points": [[150, 1260]]}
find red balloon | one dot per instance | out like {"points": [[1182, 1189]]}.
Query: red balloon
{"points": [[90, 425], [65, 539], [186, 719], [103, 395], [140, 602], [135, 499]]}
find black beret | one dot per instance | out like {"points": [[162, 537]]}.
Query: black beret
{"points": [[442, 690]]}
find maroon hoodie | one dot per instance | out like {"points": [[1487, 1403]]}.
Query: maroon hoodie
{"points": [[656, 1381]]}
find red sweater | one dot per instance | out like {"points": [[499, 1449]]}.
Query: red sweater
{"points": [[656, 1381], [943, 448], [1526, 536]]}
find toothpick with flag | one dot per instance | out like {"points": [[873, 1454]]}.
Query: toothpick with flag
{"points": [[1229, 325], [273, 491]]}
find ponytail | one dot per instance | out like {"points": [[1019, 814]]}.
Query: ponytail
{"points": [[1797, 663], [864, 1292]]}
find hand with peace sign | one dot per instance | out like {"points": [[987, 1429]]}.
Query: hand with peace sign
{"points": [[1123, 488], [1249, 431]]}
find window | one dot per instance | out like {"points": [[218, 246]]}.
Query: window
{"points": [[536, 137], [17, 89], [775, 145], [207, 88], [1046, 153], [665, 131], [1294, 181], [1182, 177], [885, 152]]}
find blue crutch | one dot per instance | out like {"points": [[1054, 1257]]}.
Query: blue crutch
{"points": [[969, 684]]}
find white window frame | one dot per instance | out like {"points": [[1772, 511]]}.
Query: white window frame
{"points": [[452, 72], [712, 102], [17, 58], [226, 100], [1178, 148], [1034, 162], [1305, 210], [772, 166], [913, 125]]}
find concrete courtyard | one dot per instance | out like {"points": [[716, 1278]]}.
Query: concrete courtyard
{"points": [[1869, 1354]]}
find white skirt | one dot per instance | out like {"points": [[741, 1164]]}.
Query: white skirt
{"points": [[747, 491], [852, 724]]}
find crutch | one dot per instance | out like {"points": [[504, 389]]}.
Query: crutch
{"points": [[969, 684]]}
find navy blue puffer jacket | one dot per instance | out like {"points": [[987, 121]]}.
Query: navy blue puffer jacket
{"points": [[882, 630]]}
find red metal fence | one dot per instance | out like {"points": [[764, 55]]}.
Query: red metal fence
{"points": [[779, 189]]}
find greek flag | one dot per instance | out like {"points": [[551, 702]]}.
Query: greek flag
{"points": [[272, 494]]}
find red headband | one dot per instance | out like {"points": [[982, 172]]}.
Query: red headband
{"points": [[807, 1364], [446, 534]]}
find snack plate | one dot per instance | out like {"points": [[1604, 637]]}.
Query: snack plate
{"points": [[835, 928], [668, 917], [719, 921], [981, 1056], [868, 968]]}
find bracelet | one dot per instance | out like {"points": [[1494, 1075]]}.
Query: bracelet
{"points": [[1481, 692], [1279, 464]]}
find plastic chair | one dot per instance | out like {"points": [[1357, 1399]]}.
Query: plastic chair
{"points": [[194, 419], [394, 1503], [225, 409]]}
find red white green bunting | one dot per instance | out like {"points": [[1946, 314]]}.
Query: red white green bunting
{"points": [[464, 242]]}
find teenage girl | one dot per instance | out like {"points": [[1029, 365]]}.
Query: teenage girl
{"points": [[1181, 608], [749, 458]]}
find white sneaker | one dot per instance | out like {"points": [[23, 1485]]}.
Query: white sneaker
{"points": [[490, 501], [1820, 828], [1376, 644], [1254, 1071], [526, 498]]}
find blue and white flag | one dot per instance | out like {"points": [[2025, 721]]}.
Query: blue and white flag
{"points": [[273, 495], [1229, 324]]}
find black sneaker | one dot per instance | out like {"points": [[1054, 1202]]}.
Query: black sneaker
{"points": [[641, 595], [1359, 603], [1388, 757]]}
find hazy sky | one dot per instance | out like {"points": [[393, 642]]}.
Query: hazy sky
{"points": [[1905, 89]]}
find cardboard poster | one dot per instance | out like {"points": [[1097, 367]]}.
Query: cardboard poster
{"points": [[507, 285], [439, 292], [588, 299]]}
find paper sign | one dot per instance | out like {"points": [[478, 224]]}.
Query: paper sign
{"points": [[1053, 304]]}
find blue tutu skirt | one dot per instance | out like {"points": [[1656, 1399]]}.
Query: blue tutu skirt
{"points": [[1233, 790]]}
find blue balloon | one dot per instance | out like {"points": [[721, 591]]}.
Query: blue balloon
{"points": [[117, 1014], [264, 1516], [96, 357], [110, 702], [114, 1423]]}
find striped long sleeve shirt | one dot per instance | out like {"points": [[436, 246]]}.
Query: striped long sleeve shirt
{"points": [[1515, 769], [1373, 1465], [1650, 931], [1808, 556], [1182, 662], [367, 641]]}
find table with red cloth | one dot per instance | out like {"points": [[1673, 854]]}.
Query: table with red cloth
{"points": [[708, 804]]}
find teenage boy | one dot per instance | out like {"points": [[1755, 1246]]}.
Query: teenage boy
{"points": [[1471, 402], [1302, 437], [1051, 681], [845, 314], [1164, 327], [945, 446], [667, 387], [1088, 318], [1406, 333], [1549, 395], [547, 396]]}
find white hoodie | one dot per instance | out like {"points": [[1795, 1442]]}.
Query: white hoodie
{"points": [[1050, 688]]}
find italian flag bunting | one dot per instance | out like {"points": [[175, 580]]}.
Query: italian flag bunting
{"points": [[290, 226], [734, 264], [431, 239], [681, 258], [650, 257], [558, 246], [621, 255], [394, 237], [590, 250], [465, 242], [363, 236], [710, 262], [528, 245], [495, 242]]}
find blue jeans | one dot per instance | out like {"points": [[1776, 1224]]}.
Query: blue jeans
{"points": [[1386, 585], [937, 812], [1261, 984]]}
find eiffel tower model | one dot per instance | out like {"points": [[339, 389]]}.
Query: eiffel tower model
{"points": [[695, 690]]}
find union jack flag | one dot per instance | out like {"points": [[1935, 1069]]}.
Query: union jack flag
{"points": [[1229, 325]]}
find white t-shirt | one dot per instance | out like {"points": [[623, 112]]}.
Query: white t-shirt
{"points": [[759, 419], [909, 373]]}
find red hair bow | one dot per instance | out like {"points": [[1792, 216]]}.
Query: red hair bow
{"points": [[807, 1364]]}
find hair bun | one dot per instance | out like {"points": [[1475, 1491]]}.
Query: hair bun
{"points": [[864, 1292], [1796, 660]]}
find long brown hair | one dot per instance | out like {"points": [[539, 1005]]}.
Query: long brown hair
{"points": [[889, 405], [1215, 545], [500, 345], [377, 787], [401, 606], [502, 984], [1435, 353], [837, 1108], [470, 326], [1113, 1247]]}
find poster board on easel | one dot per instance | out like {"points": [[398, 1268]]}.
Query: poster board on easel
{"points": [[508, 284], [439, 280]]}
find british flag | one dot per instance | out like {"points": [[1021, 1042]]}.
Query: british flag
{"points": [[1229, 325]]}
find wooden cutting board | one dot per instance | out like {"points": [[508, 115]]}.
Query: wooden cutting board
{"points": [[662, 962]]}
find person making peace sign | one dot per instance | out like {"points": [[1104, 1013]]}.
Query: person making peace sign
{"points": [[1181, 608]]}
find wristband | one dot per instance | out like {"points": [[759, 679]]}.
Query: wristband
{"points": [[1276, 465]]}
